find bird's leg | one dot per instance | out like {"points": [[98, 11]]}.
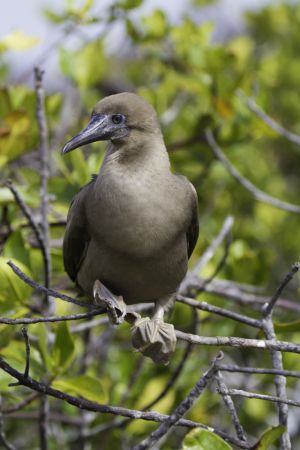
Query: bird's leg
{"points": [[115, 305], [152, 336]]}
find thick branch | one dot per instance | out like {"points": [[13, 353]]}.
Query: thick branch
{"points": [[224, 341]]}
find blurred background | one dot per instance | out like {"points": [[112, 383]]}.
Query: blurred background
{"points": [[196, 61]]}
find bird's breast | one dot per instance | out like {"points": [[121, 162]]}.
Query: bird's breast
{"points": [[137, 214]]}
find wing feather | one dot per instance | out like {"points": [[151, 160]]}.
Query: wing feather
{"points": [[76, 238]]}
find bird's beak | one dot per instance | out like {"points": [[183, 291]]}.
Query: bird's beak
{"points": [[96, 130]]}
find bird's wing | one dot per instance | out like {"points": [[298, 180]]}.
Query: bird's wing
{"points": [[193, 230], [76, 238], [193, 227]]}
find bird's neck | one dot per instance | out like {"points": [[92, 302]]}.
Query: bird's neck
{"points": [[137, 154]]}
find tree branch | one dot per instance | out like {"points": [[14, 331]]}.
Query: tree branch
{"points": [[256, 192], [44, 161], [222, 389], [183, 407], [224, 341], [268, 309], [260, 371], [50, 292], [253, 106], [246, 394]]}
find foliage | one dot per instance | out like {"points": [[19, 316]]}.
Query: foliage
{"points": [[192, 82]]}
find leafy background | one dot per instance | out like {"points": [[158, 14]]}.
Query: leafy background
{"points": [[192, 81]]}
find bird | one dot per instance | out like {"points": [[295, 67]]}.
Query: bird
{"points": [[131, 230]]}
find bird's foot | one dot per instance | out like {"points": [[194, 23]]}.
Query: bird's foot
{"points": [[154, 338], [115, 305]]}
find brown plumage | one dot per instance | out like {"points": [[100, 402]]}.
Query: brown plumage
{"points": [[134, 225]]}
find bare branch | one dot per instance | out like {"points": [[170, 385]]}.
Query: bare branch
{"points": [[7, 445], [88, 405], [50, 292], [231, 290], [179, 412], [203, 306], [246, 394], [253, 106], [20, 405], [268, 309], [255, 370], [44, 160], [280, 383], [29, 321], [27, 348], [222, 389], [43, 422], [256, 192], [224, 341], [35, 228]]}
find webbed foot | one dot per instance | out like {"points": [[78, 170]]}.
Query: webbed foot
{"points": [[154, 338]]}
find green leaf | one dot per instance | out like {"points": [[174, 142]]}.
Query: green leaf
{"points": [[17, 41], [86, 66], [43, 344], [63, 349], [156, 24], [204, 440], [13, 289], [288, 326], [6, 196], [270, 436], [84, 385]]}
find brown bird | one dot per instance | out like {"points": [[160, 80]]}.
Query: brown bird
{"points": [[134, 226]]}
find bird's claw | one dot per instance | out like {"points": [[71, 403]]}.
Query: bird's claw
{"points": [[115, 305], [154, 338]]}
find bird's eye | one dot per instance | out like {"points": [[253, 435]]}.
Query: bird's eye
{"points": [[117, 119]]}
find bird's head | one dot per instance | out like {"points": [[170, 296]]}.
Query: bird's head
{"points": [[115, 118]]}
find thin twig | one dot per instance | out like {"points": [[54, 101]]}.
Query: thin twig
{"points": [[88, 405], [268, 309], [220, 311], [222, 388], [259, 371], [30, 321], [247, 394], [44, 161], [43, 422], [253, 106], [22, 404], [181, 409], [50, 292], [221, 263], [3, 440], [232, 291], [35, 228], [256, 192], [27, 349]]}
